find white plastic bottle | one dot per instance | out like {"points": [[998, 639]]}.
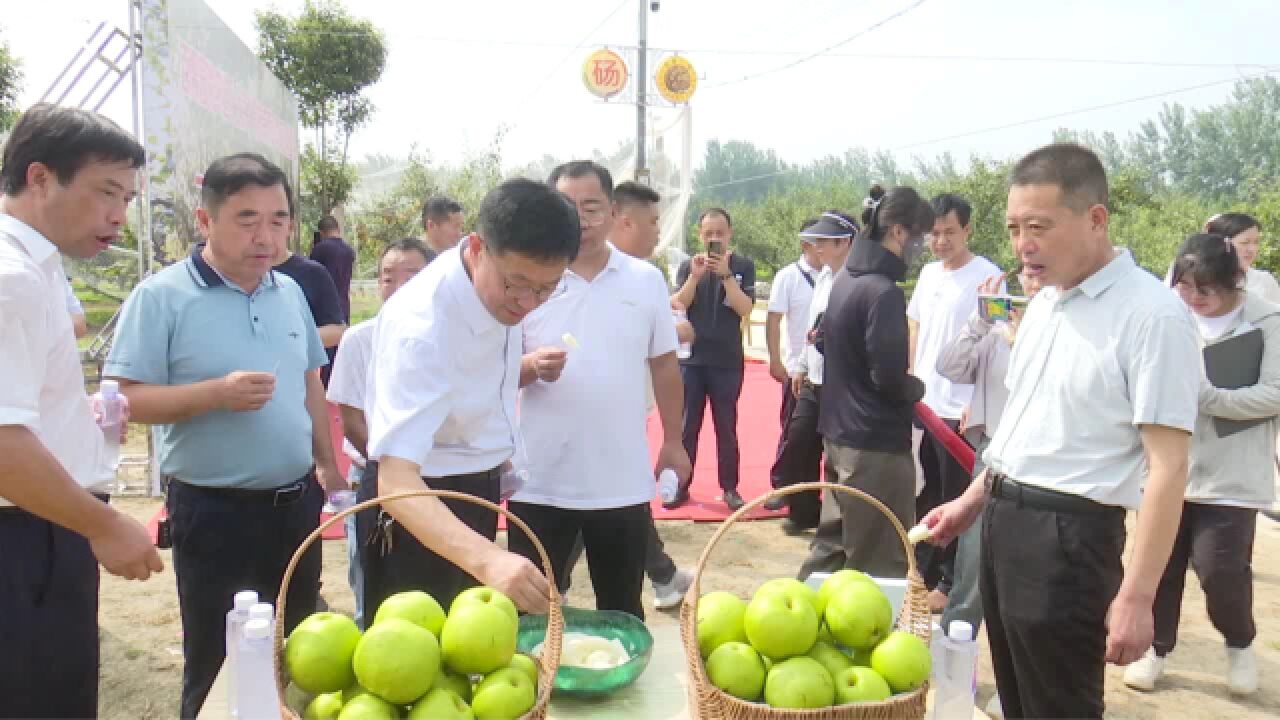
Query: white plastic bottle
{"points": [[685, 349], [264, 611], [256, 697], [668, 485], [111, 406], [954, 681], [236, 620]]}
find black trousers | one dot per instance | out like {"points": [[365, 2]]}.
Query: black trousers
{"points": [[1048, 579], [945, 479], [615, 541], [800, 453], [658, 565], [394, 560], [48, 620], [224, 543], [722, 387], [1217, 541]]}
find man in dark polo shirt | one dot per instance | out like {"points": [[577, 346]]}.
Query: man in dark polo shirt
{"points": [[323, 300], [718, 288], [331, 251], [220, 353]]}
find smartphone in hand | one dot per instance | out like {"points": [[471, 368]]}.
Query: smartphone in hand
{"points": [[999, 308], [715, 247]]}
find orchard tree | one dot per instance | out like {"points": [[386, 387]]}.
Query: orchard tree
{"points": [[10, 84]]}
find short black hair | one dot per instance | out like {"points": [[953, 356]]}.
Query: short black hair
{"points": [[328, 224], [233, 173], [1231, 224], [952, 203], [581, 168], [1209, 261], [631, 194], [1074, 169], [716, 211], [531, 219], [65, 140], [408, 244], [438, 208], [899, 206]]}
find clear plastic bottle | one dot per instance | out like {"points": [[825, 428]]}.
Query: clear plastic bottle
{"points": [[110, 406], [236, 619], [954, 681], [668, 485], [685, 349], [264, 611], [256, 697]]}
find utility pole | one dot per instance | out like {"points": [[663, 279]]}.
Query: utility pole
{"points": [[642, 82]]}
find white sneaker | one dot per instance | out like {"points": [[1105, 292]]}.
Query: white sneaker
{"points": [[1142, 675], [669, 594], [1242, 671], [994, 708]]}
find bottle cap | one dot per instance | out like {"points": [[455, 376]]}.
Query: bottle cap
{"points": [[245, 600], [262, 610], [960, 631], [109, 388], [257, 628]]}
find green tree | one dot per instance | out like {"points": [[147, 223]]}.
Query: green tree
{"points": [[10, 85], [737, 171], [328, 59]]}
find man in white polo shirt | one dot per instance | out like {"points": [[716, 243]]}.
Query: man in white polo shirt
{"points": [[944, 298], [400, 261], [67, 179], [790, 297], [583, 417], [1103, 386]]}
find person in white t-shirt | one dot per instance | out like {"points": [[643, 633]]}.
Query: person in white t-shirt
{"points": [[588, 352], [799, 448], [400, 261], [945, 296]]}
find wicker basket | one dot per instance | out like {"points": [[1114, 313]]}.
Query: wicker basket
{"points": [[549, 661], [708, 702]]}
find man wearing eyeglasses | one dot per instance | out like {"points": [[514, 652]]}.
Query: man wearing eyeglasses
{"points": [[442, 402], [584, 415]]}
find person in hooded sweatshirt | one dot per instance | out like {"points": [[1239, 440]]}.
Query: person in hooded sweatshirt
{"points": [[1231, 468], [868, 396]]}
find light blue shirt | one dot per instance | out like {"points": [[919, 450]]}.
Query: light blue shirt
{"points": [[187, 324]]}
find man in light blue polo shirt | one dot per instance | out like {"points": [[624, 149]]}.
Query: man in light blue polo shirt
{"points": [[220, 352]]}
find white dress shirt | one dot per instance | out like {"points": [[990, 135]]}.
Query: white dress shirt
{"points": [[791, 296], [942, 302], [811, 361], [43, 385], [350, 370], [1090, 366], [585, 432], [442, 384]]}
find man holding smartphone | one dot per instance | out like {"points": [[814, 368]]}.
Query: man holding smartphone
{"points": [[718, 288]]}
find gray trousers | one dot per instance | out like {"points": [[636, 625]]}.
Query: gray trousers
{"points": [[852, 533], [964, 602]]}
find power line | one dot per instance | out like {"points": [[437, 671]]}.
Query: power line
{"points": [[1007, 126], [787, 66]]}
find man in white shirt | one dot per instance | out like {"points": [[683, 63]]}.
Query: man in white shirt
{"points": [[584, 414], [944, 298], [67, 179], [400, 261], [441, 399], [790, 297], [1103, 381]]}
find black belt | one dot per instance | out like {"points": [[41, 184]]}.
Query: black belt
{"points": [[286, 495], [1005, 487]]}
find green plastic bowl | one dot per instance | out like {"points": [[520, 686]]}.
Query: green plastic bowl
{"points": [[608, 624]]}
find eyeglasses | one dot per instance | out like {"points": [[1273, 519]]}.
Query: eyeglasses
{"points": [[524, 292], [593, 215]]}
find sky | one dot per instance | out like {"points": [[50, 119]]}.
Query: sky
{"points": [[986, 77]]}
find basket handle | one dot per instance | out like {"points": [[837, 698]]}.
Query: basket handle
{"points": [[695, 590], [555, 617]]}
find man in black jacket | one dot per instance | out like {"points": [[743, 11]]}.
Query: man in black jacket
{"points": [[867, 395]]}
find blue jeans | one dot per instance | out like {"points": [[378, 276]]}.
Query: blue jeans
{"points": [[355, 575]]}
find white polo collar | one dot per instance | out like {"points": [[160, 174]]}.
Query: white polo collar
{"points": [[35, 244]]}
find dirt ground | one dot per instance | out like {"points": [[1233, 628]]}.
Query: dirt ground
{"points": [[142, 633]]}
